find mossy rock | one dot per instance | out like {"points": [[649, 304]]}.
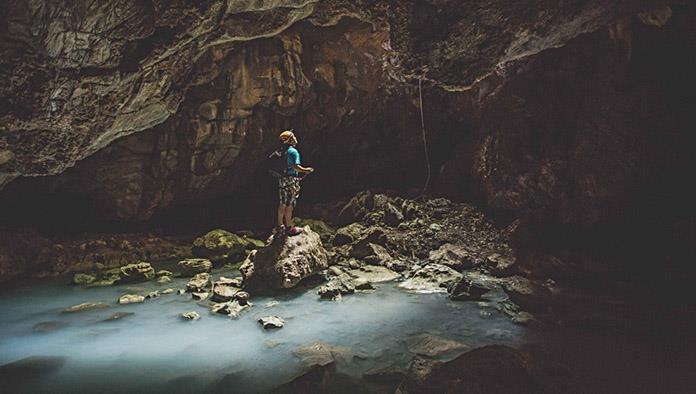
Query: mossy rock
{"points": [[222, 246], [137, 272], [83, 279], [318, 226]]}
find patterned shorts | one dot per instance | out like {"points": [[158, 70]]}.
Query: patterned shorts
{"points": [[288, 190]]}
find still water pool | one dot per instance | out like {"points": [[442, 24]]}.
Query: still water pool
{"points": [[154, 350]]}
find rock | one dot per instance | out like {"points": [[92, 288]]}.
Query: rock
{"points": [[356, 208], [392, 215], [419, 369], [489, 369], [131, 299], [527, 293], [271, 304], [473, 285], [164, 279], [193, 315], [118, 316], [137, 272], [433, 346], [152, 294], [371, 253], [500, 265], [386, 374], [523, 318], [162, 273], [432, 278], [319, 226], [49, 326], [191, 267], [234, 282], [269, 322], [364, 286], [372, 274], [348, 234], [286, 261], [319, 353], [222, 292], [221, 246], [86, 306], [336, 287], [199, 283], [231, 308], [28, 369], [453, 256], [83, 279], [167, 291], [242, 297], [200, 296]]}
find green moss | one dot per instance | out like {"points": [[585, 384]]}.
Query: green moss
{"points": [[222, 246], [318, 226]]}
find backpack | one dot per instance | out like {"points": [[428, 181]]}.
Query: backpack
{"points": [[277, 162]]}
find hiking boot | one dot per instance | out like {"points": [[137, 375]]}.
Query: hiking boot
{"points": [[294, 231]]}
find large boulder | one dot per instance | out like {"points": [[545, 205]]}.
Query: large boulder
{"points": [[137, 272], [432, 278], [489, 369], [191, 267], [286, 261], [453, 256], [473, 285], [221, 246]]}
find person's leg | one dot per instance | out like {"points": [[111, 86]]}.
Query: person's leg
{"points": [[281, 214], [288, 216]]}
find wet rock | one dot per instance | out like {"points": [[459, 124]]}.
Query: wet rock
{"points": [[223, 292], [200, 296], [49, 326], [193, 315], [433, 345], [385, 374], [269, 322], [138, 272], [83, 279], [167, 291], [432, 278], [131, 299], [152, 294], [523, 318], [320, 353], [191, 267], [232, 308], [453, 256], [372, 274], [28, 369], [419, 369], [271, 304], [473, 285], [118, 316], [318, 226], [86, 306], [336, 287], [199, 283], [221, 246], [164, 279], [286, 261], [162, 273], [490, 369]]}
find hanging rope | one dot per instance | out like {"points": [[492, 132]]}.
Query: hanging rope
{"points": [[425, 141]]}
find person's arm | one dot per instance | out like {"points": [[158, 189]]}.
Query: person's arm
{"points": [[304, 170]]}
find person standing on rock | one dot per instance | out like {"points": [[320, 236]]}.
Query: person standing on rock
{"points": [[289, 185]]}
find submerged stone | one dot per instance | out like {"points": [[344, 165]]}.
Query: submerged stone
{"points": [[86, 306], [49, 326], [118, 316], [193, 315]]}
